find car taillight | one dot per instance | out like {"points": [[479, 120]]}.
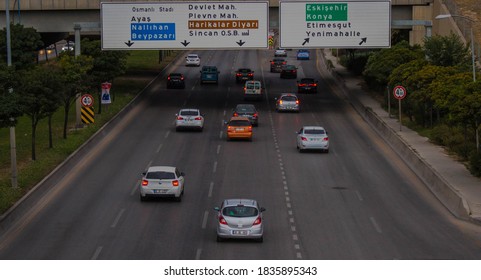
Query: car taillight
{"points": [[222, 220], [180, 118], [280, 101], [145, 182], [238, 74], [230, 128], [284, 62], [250, 74], [326, 138], [303, 138], [249, 129], [314, 85], [297, 101], [235, 114], [255, 115], [302, 85], [272, 62], [198, 118], [168, 78], [175, 183], [258, 221], [182, 78]]}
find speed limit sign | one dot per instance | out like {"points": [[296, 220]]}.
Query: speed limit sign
{"points": [[399, 92], [87, 100]]}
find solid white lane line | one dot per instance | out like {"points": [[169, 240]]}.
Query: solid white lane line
{"points": [[97, 253], [218, 149], [215, 167], [210, 189], [160, 147], [197, 254], [167, 134], [359, 196], [149, 164], [114, 224], [376, 226], [204, 221]]}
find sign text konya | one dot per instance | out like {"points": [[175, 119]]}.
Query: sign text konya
{"points": [[185, 25], [335, 23]]}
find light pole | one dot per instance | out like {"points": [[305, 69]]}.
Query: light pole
{"points": [[472, 38], [13, 148]]}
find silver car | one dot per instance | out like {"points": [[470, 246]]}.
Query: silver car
{"points": [[240, 218], [312, 138], [189, 119], [162, 181], [288, 102], [192, 60]]}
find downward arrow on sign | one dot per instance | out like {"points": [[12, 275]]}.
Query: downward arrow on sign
{"points": [[129, 43]]}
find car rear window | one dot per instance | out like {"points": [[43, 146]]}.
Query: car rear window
{"points": [[314, 131], [188, 113], [289, 98], [160, 175], [245, 110], [240, 211], [239, 123]]}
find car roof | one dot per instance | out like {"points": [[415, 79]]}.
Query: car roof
{"points": [[303, 50], [253, 82], [189, 109], [245, 105], [313, 127], [240, 201], [161, 168], [239, 119], [192, 54], [288, 94], [175, 74], [244, 69], [307, 79], [289, 66], [278, 59]]}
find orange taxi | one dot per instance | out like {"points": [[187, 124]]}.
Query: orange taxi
{"points": [[239, 128]]}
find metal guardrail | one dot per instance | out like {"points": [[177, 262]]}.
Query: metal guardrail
{"points": [[463, 25]]}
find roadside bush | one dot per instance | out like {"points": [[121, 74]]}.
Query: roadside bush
{"points": [[440, 133], [475, 164]]}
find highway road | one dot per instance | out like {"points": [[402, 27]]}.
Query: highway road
{"points": [[359, 201]]}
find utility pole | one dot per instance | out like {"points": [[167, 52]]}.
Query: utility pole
{"points": [[13, 145]]}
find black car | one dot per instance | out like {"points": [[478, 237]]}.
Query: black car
{"points": [[247, 110], [277, 63], [175, 80], [289, 71], [307, 85], [244, 74]]}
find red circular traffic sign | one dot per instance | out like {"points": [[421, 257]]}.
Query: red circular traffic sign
{"points": [[399, 92], [87, 100]]}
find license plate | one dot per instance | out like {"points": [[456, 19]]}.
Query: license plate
{"points": [[239, 232], [209, 76], [160, 191], [239, 129]]}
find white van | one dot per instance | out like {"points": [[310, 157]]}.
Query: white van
{"points": [[253, 89]]}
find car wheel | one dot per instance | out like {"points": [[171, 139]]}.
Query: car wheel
{"points": [[219, 239], [261, 239], [326, 151], [143, 198], [179, 198]]}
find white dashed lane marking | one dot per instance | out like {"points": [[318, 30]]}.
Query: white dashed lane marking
{"points": [[376, 226], [117, 219], [97, 253]]}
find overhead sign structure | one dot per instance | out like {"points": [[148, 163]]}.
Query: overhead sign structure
{"points": [[335, 24], [185, 25]]}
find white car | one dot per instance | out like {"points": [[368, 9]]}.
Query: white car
{"points": [[253, 89], [280, 52], [287, 102], [162, 181], [189, 119], [312, 138], [192, 60]]}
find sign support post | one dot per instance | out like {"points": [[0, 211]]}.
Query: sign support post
{"points": [[399, 93]]}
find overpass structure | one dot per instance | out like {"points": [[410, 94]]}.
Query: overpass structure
{"points": [[62, 17]]}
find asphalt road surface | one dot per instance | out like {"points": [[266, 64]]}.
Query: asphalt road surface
{"points": [[359, 201]]}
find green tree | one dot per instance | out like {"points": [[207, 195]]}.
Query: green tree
{"points": [[24, 45], [380, 64], [447, 51], [75, 79], [106, 65], [38, 98]]}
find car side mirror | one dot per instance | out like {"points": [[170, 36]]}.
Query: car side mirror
{"points": [[262, 209], [182, 174], [143, 173], [225, 122], [216, 208]]}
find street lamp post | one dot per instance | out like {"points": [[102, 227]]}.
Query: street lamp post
{"points": [[471, 34]]}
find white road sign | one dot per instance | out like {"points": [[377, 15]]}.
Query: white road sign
{"points": [[185, 25], [335, 23]]}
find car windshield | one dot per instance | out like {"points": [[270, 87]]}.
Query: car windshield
{"points": [[307, 81], [289, 67], [240, 211], [188, 113], [243, 70], [253, 85], [192, 56], [239, 123], [314, 131], [289, 98], [160, 175]]}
